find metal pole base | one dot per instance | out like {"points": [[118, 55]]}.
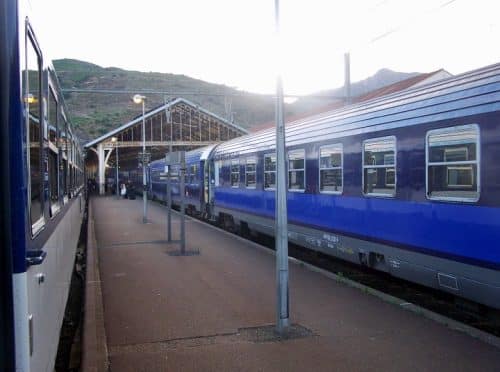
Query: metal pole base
{"points": [[283, 326]]}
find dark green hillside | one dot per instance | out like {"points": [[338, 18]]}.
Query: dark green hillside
{"points": [[96, 113]]}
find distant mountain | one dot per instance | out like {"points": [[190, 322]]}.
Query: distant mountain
{"points": [[381, 78], [94, 114]]}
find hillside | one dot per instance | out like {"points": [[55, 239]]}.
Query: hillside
{"points": [[94, 114]]}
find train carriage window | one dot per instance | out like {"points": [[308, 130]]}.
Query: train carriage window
{"points": [[250, 173], [452, 163], [32, 100], [53, 154], [330, 169], [379, 166], [64, 162], [60, 146], [296, 170], [70, 163], [270, 172], [235, 173], [218, 177]]}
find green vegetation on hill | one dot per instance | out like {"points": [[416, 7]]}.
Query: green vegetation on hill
{"points": [[94, 114]]}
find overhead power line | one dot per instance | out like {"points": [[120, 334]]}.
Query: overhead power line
{"points": [[402, 26], [178, 94]]}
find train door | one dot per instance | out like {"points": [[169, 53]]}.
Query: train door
{"points": [[211, 186], [206, 183]]}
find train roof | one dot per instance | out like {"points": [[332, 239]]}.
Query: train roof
{"points": [[195, 155], [466, 94]]}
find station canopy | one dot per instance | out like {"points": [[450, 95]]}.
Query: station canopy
{"points": [[179, 123]]}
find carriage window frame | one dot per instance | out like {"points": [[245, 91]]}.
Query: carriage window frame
{"points": [[53, 104], [234, 170], [53, 153], [455, 164], [297, 152], [69, 155], [335, 146], [60, 145], [251, 161], [32, 48], [65, 162], [374, 167], [218, 174], [269, 171]]}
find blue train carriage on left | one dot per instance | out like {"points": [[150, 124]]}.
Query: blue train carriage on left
{"points": [[42, 198]]}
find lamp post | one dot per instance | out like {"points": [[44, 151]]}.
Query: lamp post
{"points": [[282, 308], [169, 188], [140, 99], [115, 141]]}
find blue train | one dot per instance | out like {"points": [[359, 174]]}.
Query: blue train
{"points": [[408, 184], [196, 181], [42, 203]]}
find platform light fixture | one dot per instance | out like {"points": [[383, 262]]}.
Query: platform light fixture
{"points": [[30, 98], [138, 99]]}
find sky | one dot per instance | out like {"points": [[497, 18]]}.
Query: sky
{"points": [[233, 42]]}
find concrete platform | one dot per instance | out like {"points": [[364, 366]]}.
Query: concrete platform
{"points": [[203, 313]]}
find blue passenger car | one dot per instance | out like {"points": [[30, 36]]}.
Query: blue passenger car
{"points": [[408, 184], [196, 180], [41, 195]]}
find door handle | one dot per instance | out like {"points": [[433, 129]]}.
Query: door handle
{"points": [[35, 257]]}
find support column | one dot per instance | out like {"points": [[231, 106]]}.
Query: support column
{"points": [[180, 124], [190, 125], [199, 124], [161, 127], [101, 168]]}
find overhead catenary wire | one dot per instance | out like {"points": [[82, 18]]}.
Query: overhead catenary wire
{"points": [[402, 26], [181, 93]]}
